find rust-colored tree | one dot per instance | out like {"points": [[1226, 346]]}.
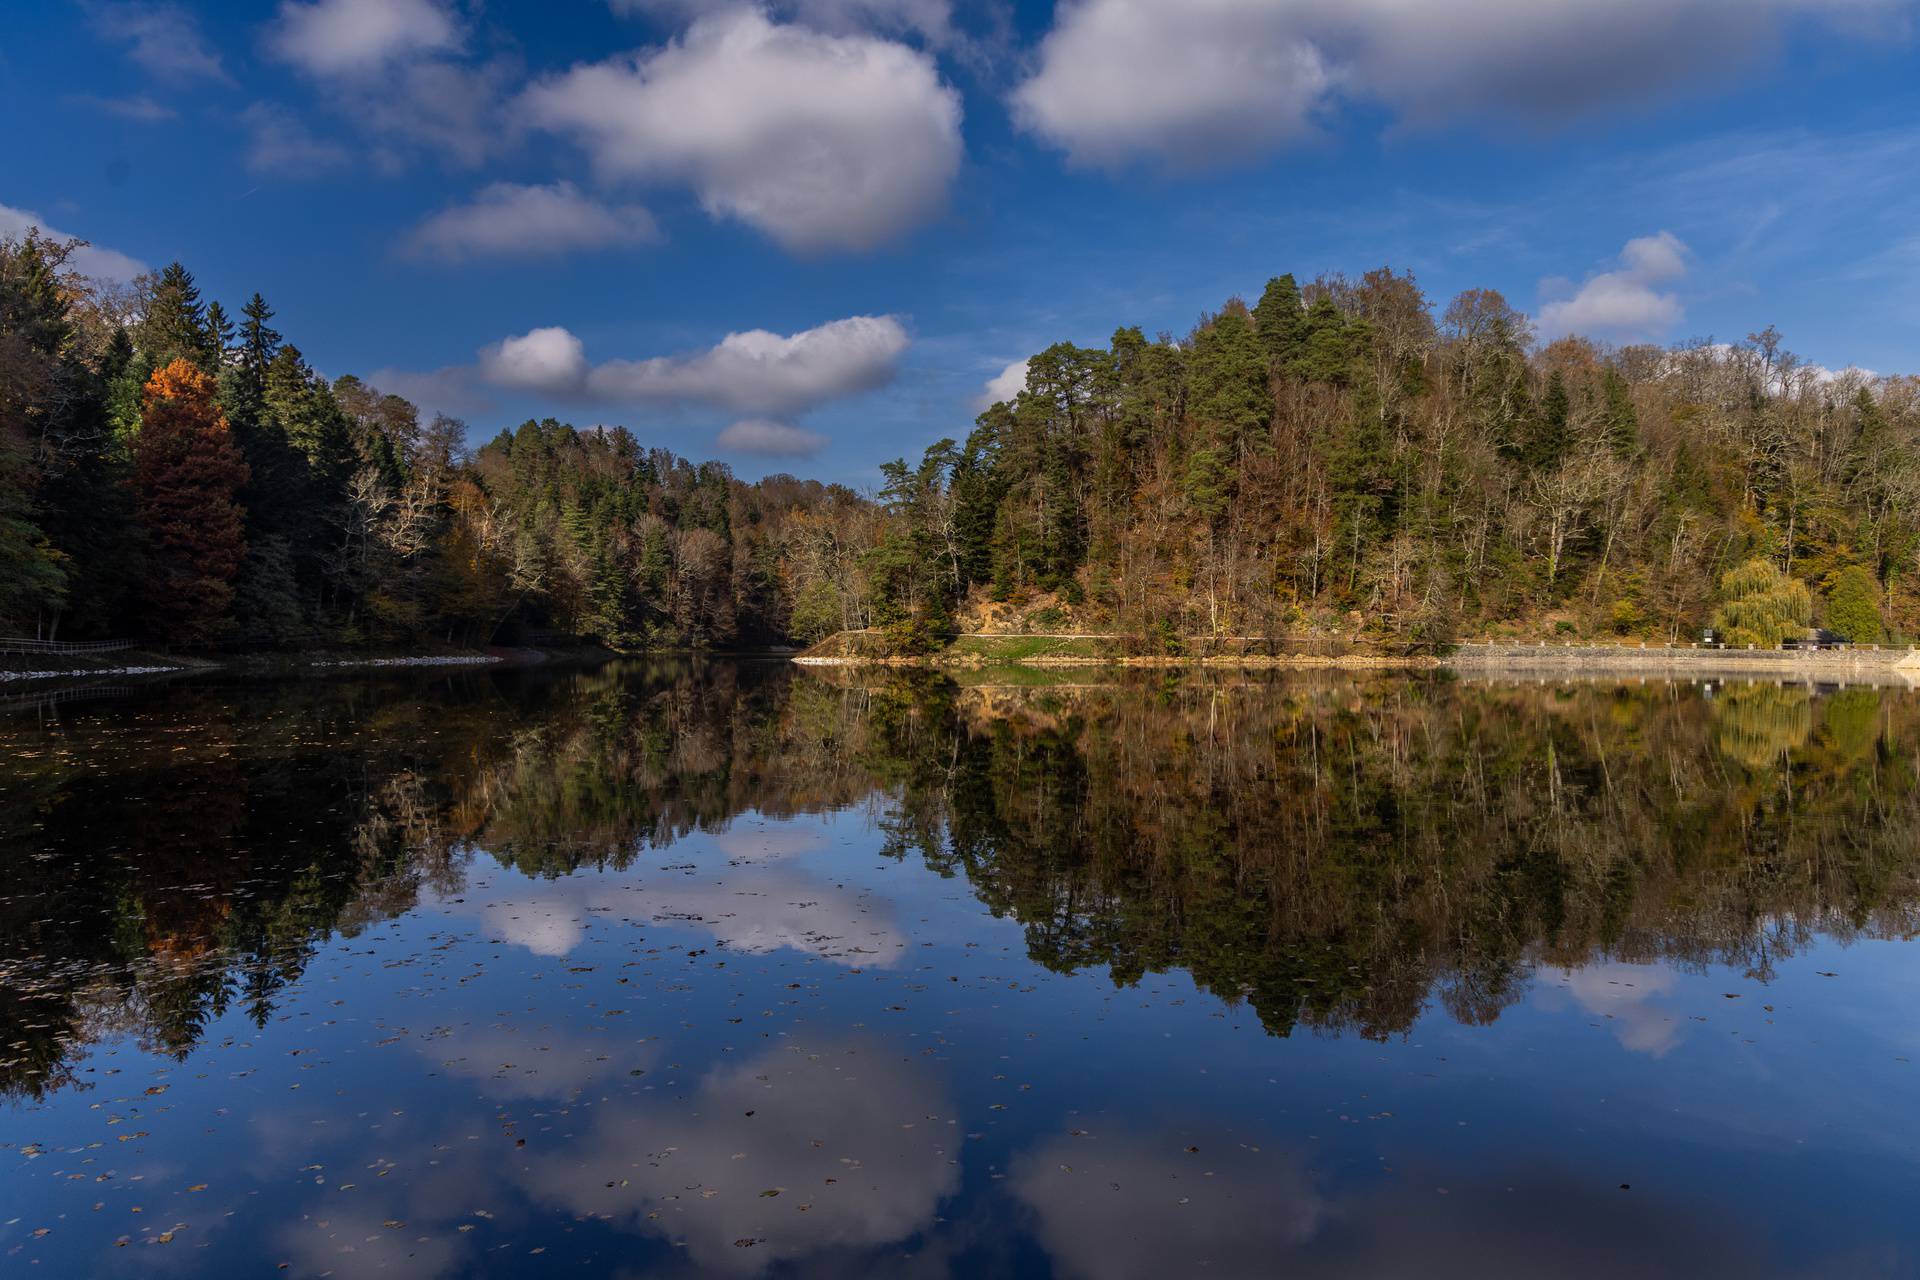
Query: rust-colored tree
{"points": [[188, 473]]}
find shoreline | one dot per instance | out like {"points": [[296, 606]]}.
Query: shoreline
{"points": [[1472, 659], [154, 663], [1481, 658]]}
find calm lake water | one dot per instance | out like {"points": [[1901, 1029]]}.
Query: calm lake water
{"points": [[744, 970]]}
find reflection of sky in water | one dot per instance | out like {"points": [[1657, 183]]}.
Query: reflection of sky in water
{"points": [[773, 1050], [748, 892]]}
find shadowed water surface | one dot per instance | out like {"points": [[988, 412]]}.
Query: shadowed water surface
{"points": [[734, 969]]}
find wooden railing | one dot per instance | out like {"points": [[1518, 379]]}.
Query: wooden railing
{"points": [[65, 648]]}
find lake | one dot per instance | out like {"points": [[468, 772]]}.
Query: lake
{"points": [[674, 968]]}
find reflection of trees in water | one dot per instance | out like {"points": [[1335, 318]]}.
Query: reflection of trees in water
{"points": [[1761, 724], [1338, 854]]}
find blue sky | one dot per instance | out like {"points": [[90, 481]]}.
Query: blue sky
{"points": [[567, 208]]}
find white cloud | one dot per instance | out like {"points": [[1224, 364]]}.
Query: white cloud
{"points": [[1623, 303], [932, 20], [509, 220], [844, 142], [1195, 83], [455, 110], [101, 264], [1212, 80], [163, 38], [770, 439], [348, 37], [1005, 385], [758, 373], [1655, 258], [280, 143], [548, 360], [764, 373]]}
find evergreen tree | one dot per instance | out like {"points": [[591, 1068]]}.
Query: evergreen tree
{"points": [[33, 578], [1552, 434], [1327, 354], [220, 332], [1282, 322], [173, 324], [1622, 419]]}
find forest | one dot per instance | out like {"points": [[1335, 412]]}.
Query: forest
{"points": [[1342, 457]]}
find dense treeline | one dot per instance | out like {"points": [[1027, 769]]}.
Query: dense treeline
{"points": [[170, 474], [1335, 458]]}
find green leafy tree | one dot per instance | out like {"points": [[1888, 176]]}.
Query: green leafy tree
{"points": [[1853, 606], [1761, 606]]}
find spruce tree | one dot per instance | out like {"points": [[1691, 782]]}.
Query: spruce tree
{"points": [[219, 334], [1551, 426], [1282, 322], [173, 324], [1622, 420]]}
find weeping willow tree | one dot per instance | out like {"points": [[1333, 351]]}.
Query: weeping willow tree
{"points": [[1761, 606]]}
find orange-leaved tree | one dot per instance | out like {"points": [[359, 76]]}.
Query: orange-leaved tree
{"points": [[187, 474]]}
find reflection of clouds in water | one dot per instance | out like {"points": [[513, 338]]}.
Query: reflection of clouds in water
{"points": [[856, 1143], [541, 1063], [547, 924], [1626, 994], [765, 909], [1139, 1207], [345, 1241], [745, 843], [756, 907]]}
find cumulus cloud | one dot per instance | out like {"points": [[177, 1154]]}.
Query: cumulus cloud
{"points": [[1196, 83], [931, 20], [764, 373], [345, 37], [1213, 80], [1625, 302], [162, 38], [768, 375], [547, 360], [1005, 385], [396, 69], [509, 220], [845, 142], [770, 439], [101, 264]]}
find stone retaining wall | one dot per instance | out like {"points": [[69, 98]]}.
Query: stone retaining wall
{"points": [[1788, 664]]}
